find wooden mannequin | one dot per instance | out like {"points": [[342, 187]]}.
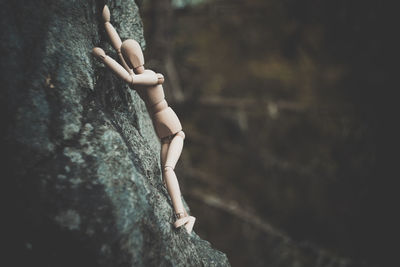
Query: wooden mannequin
{"points": [[166, 124]]}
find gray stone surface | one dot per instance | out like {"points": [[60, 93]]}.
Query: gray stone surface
{"points": [[81, 160]]}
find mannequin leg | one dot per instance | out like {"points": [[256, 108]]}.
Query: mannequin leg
{"points": [[163, 154], [169, 156]]}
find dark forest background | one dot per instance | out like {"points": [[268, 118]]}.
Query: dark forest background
{"points": [[289, 112]]}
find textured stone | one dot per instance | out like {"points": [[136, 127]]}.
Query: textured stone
{"points": [[80, 152]]}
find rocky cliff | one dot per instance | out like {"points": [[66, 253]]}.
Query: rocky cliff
{"points": [[81, 160]]}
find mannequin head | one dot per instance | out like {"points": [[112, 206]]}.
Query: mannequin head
{"points": [[132, 54]]}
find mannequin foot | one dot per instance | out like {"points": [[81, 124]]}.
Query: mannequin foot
{"points": [[185, 220]]}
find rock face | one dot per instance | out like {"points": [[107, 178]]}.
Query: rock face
{"points": [[81, 159]]}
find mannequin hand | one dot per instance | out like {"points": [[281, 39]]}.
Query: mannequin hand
{"points": [[160, 78]]}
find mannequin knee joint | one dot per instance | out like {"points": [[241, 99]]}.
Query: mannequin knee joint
{"points": [[167, 169], [181, 134]]}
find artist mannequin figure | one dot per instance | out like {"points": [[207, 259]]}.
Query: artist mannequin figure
{"points": [[166, 124]]}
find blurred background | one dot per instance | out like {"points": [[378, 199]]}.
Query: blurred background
{"points": [[287, 107]]}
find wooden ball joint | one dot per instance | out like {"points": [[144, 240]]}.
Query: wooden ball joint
{"points": [[166, 123]]}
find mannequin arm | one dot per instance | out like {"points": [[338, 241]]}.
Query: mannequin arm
{"points": [[146, 78], [111, 32], [113, 65], [114, 37]]}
